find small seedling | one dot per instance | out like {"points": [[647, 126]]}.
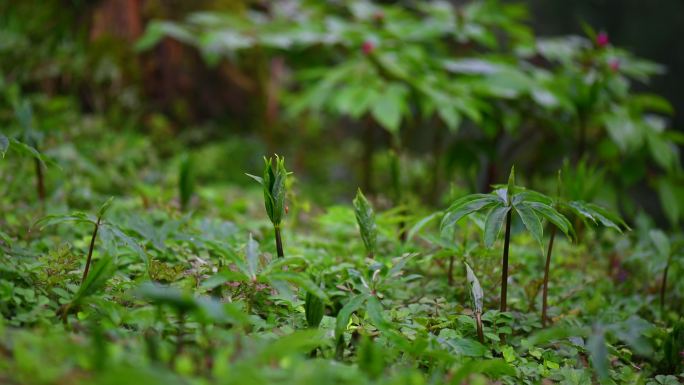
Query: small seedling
{"points": [[529, 205], [99, 225], [476, 297], [273, 183], [186, 181], [89, 286], [665, 250], [314, 308], [365, 217]]}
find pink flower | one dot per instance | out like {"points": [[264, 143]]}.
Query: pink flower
{"points": [[367, 47], [614, 65], [602, 39]]}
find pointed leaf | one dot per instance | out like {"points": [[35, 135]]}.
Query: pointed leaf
{"points": [[345, 313], [365, 217], [476, 293], [531, 221], [465, 206], [493, 223], [101, 272], [374, 309], [553, 216]]}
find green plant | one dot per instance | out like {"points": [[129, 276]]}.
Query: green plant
{"points": [[186, 181], [90, 285], [666, 251], [529, 205], [314, 309], [99, 226], [365, 218], [273, 183], [587, 212], [476, 298]]}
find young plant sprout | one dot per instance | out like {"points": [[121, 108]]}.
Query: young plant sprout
{"points": [[365, 217], [500, 205], [99, 226], [273, 183], [665, 251], [476, 296], [314, 309], [186, 181]]}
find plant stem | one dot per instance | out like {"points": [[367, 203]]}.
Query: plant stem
{"points": [[546, 276], [663, 285], [478, 322], [504, 266], [90, 251], [179, 339], [279, 242], [40, 181], [450, 271]]}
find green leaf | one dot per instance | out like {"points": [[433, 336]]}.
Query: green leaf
{"points": [[466, 206], [345, 313], [25, 149], [422, 223], [259, 179], [661, 242], [314, 310], [476, 293], [96, 279], [511, 185], [607, 218], [670, 200], [598, 353], [128, 242], [365, 217], [300, 281], [493, 223], [374, 309], [186, 180], [55, 219], [388, 108], [553, 216], [531, 221], [105, 206]]}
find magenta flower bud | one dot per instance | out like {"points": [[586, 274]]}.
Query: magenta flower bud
{"points": [[367, 47], [602, 39]]}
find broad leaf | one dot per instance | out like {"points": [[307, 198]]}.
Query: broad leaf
{"points": [[530, 220], [493, 223], [345, 313], [553, 216], [465, 206]]}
